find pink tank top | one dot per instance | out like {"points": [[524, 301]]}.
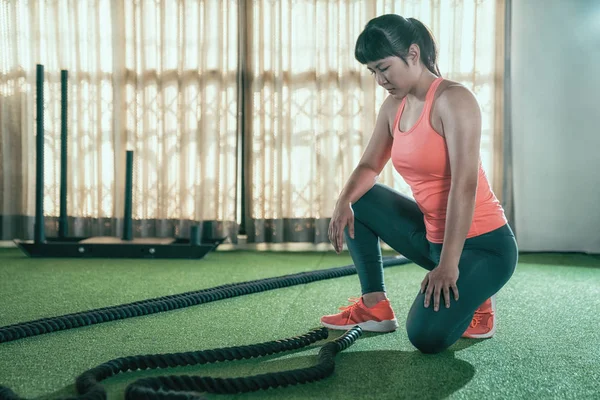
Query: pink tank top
{"points": [[420, 156]]}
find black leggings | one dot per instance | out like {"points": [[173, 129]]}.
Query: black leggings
{"points": [[486, 264]]}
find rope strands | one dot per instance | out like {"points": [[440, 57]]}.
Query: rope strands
{"points": [[175, 387]]}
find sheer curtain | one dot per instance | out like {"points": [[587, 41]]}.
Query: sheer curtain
{"points": [[155, 77], [312, 106], [162, 78]]}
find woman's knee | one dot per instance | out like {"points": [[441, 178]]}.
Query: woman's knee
{"points": [[426, 338], [386, 200], [429, 344], [371, 197]]}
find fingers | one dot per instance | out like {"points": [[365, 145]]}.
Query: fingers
{"points": [[436, 298], [351, 227], [428, 293], [424, 283], [335, 235], [446, 291], [437, 290], [455, 290], [331, 235], [341, 227]]}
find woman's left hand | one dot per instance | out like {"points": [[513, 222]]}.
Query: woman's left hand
{"points": [[437, 281]]}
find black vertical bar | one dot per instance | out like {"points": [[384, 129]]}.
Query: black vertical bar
{"points": [[195, 235], [62, 219], [127, 226], [240, 140], [39, 233], [245, 16]]}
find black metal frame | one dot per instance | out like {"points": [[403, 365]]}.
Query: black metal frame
{"points": [[88, 247]]}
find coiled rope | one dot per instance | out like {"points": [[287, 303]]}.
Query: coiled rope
{"points": [[190, 387]]}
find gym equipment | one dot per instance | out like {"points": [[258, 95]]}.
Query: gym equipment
{"points": [[171, 387], [103, 246]]}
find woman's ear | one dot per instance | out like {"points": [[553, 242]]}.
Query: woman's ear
{"points": [[414, 54]]}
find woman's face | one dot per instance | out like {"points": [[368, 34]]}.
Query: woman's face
{"points": [[394, 75]]}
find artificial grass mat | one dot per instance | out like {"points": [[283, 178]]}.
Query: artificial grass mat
{"points": [[546, 345]]}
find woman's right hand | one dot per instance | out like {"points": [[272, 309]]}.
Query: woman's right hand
{"points": [[343, 216]]}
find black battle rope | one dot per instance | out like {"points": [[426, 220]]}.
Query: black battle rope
{"points": [[172, 302], [190, 387], [87, 383], [148, 388]]}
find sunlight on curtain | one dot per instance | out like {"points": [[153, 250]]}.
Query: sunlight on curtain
{"points": [[156, 77], [314, 106]]}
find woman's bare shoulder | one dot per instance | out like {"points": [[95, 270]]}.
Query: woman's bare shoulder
{"points": [[390, 107], [450, 95], [447, 85]]}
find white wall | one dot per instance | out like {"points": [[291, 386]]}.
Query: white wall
{"points": [[555, 62]]}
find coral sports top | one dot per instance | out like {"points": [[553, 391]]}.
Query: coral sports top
{"points": [[420, 156]]}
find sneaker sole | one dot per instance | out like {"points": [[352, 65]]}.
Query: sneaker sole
{"points": [[493, 331], [371, 326]]}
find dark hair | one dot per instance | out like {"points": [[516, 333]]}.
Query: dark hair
{"points": [[391, 35]]}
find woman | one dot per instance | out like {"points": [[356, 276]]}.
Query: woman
{"points": [[430, 127]]}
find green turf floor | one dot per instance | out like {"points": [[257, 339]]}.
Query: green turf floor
{"points": [[547, 344]]}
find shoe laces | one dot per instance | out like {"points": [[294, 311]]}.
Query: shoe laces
{"points": [[348, 309], [479, 316], [476, 320]]}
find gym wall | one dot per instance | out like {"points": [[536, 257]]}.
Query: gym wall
{"points": [[555, 59]]}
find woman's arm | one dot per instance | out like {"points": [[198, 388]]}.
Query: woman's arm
{"points": [[461, 122], [375, 156], [364, 176]]}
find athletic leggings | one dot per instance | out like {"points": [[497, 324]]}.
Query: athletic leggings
{"points": [[486, 264]]}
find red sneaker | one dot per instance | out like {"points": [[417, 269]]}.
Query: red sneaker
{"points": [[483, 324], [379, 318]]}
